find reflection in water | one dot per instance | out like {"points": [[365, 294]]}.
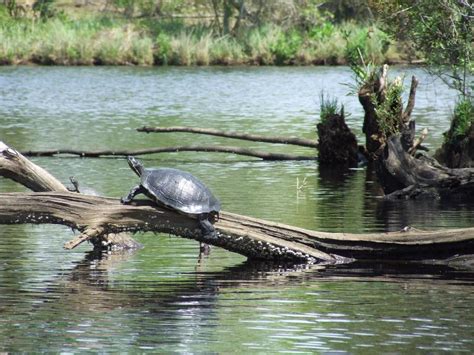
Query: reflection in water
{"points": [[162, 297], [301, 306]]}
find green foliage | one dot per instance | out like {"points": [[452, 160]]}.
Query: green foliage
{"points": [[322, 31], [174, 41], [442, 30], [286, 46], [365, 46], [389, 111], [463, 119], [44, 8], [163, 45]]}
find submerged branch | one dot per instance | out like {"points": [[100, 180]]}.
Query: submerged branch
{"points": [[184, 148], [235, 135]]}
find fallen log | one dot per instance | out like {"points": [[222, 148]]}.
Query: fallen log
{"points": [[14, 166], [98, 218], [235, 135], [184, 148], [254, 238]]}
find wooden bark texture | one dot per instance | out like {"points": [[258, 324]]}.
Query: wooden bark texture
{"points": [[175, 149], [235, 135], [14, 166], [252, 237]]}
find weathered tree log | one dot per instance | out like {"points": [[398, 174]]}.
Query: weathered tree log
{"points": [[235, 135], [404, 176], [98, 216], [15, 166], [184, 148], [248, 236]]}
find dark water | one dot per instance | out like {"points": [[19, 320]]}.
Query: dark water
{"points": [[165, 298]]}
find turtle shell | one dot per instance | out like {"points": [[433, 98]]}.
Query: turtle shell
{"points": [[179, 190]]}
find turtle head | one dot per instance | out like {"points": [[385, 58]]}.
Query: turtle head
{"points": [[135, 165]]}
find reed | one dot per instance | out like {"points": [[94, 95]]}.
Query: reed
{"points": [[89, 41]]}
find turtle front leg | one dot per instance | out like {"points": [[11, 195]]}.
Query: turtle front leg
{"points": [[133, 192], [206, 226]]}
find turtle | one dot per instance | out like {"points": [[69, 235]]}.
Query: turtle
{"points": [[176, 190]]}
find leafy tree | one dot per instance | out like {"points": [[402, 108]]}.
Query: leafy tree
{"points": [[441, 29]]}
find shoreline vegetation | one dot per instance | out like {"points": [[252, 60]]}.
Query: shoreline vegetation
{"points": [[112, 38]]}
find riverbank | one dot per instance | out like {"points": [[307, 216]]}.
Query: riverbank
{"points": [[117, 41]]}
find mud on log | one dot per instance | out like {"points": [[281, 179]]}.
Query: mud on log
{"points": [[184, 148], [235, 135], [337, 144]]}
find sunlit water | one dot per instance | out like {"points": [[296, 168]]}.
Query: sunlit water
{"points": [[163, 297]]}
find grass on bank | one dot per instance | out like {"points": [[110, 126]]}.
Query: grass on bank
{"points": [[115, 41]]}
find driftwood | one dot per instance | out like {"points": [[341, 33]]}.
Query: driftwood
{"points": [[235, 135], [404, 176], [184, 148], [251, 237], [15, 166], [97, 217]]}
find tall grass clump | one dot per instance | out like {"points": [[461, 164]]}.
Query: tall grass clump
{"points": [[59, 42], [226, 51], [182, 49], [328, 107], [123, 45], [15, 47], [115, 40], [259, 43]]}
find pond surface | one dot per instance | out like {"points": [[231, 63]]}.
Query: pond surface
{"points": [[164, 297]]}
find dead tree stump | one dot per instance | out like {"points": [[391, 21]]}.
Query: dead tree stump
{"points": [[337, 144], [383, 108]]}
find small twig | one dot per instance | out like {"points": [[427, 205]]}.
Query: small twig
{"points": [[301, 186], [89, 233]]}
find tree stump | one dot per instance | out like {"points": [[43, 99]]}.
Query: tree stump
{"points": [[457, 152], [337, 144]]}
